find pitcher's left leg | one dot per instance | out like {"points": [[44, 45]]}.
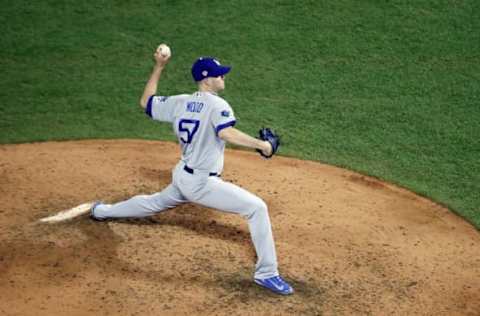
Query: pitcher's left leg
{"points": [[141, 205]]}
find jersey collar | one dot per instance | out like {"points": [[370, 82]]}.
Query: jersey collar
{"points": [[211, 92]]}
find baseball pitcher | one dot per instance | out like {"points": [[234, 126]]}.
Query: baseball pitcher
{"points": [[203, 122]]}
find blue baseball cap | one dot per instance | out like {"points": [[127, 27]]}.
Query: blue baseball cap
{"points": [[205, 67]]}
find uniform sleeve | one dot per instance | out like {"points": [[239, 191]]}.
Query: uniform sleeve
{"points": [[223, 117], [161, 108]]}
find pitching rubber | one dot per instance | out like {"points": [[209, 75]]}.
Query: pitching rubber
{"points": [[68, 214]]}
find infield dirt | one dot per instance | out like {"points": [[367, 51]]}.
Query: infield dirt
{"points": [[349, 244]]}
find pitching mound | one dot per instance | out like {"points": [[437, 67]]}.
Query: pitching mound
{"points": [[349, 244]]}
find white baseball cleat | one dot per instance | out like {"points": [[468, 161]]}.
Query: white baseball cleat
{"points": [[92, 214]]}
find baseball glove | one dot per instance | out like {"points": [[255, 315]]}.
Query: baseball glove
{"points": [[270, 136]]}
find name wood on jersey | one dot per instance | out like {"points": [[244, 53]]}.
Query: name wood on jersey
{"points": [[195, 107]]}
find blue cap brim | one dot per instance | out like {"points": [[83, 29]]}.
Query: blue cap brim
{"points": [[220, 71]]}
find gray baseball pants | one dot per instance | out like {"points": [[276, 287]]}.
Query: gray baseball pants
{"points": [[209, 191]]}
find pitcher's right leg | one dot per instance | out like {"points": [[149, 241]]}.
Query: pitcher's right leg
{"points": [[216, 193], [213, 192]]}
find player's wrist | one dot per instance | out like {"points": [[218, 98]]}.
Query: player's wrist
{"points": [[259, 144], [158, 67]]}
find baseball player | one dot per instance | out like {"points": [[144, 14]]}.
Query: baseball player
{"points": [[203, 122]]}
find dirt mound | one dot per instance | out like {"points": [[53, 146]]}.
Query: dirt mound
{"points": [[348, 244]]}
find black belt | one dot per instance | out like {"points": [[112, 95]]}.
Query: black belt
{"points": [[190, 170]]}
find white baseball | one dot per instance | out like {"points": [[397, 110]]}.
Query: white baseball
{"points": [[164, 50]]}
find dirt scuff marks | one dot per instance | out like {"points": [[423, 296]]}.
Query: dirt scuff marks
{"points": [[349, 244]]}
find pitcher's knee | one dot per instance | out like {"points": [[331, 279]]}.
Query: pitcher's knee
{"points": [[257, 208]]}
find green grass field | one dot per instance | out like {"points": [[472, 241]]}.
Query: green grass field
{"points": [[387, 88]]}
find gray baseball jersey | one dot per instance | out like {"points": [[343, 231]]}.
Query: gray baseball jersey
{"points": [[196, 119]]}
